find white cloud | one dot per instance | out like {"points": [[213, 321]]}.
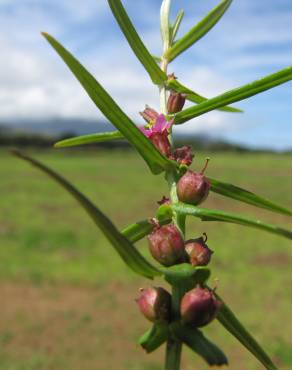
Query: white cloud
{"points": [[213, 124], [36, 84]]}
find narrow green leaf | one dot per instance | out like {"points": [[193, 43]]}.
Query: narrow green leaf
{"points": [[227, 318], [122, 245], [89, 139], [140, 229], [195, 97], [235, 95], [234, 192], [196, 341], [176, 25], [214, 215], [164, 22], [198, 31], [156, 162], [154, 337], [135, 42], [156, 58]]}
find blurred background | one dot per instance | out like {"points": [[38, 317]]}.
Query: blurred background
{"points": [[67, 299]]}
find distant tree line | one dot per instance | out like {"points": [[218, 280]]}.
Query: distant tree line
{"points": [[14, 138]]}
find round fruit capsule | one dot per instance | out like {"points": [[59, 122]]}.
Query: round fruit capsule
{"points": [[199, 307], [193, 187], [198, 251], [155, 304], [166, 245]]}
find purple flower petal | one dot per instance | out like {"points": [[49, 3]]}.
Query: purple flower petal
{"points": [[146, 132], [168, 125], [159, 124]]}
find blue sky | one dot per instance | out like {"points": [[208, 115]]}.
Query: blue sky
{"points": [[253, 39]]}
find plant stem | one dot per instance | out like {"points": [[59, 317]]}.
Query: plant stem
{"points": [[178, 219], [173, 354], [162, 89], [174, 346]]}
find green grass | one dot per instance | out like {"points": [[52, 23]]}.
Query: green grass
{"points": [[49, 243]]}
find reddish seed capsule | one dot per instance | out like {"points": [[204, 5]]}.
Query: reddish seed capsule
{"points": [[155, 304], [166, 245], [184, 155], [199, 306], [176, 102], [198, 251], [193, 187]]}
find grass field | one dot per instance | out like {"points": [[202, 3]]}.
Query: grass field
{"points": [[68, 300]]}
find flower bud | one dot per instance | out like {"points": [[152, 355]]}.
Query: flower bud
{"points": [[149, 114], [157, 132], [176, 102], [183, 155], [166, 245], [155, 304], [198, 251], [193, 187], [199, 306]]}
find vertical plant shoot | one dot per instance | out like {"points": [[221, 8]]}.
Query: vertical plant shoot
{"points": [[176, 317]]}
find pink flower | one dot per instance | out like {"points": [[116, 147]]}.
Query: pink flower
{"points": [[161, 126], [158, 134]]}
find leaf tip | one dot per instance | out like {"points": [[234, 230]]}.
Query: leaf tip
{"points": [[57, 145], [47, 36]]}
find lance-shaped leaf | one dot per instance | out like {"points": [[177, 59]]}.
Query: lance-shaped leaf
{"points": [[156, 162], [235, 95], [122, 245], [191, 95], [234, 192], [140, 229], [175, 27], [154, 337], [135, 42], [227, 318], [197, 31], [195, 340], [213, 215], [89, 139]]}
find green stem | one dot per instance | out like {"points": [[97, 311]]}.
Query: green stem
{"points": [[173, 354], [174, 346], [178, 219], [162, 90]]}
